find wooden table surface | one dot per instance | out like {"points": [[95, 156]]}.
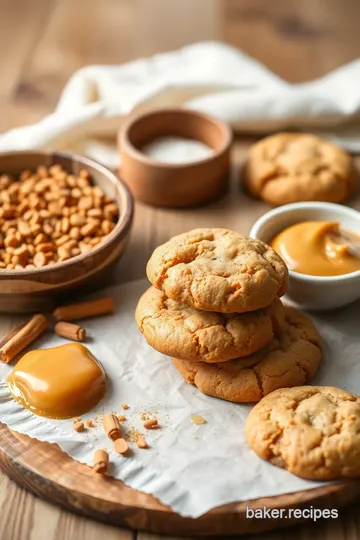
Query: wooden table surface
{"points": [[43, 42]]}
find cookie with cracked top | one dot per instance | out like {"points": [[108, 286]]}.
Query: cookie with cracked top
{"points": [[291, 359], [290, 167], [312, 431], [218, 270], [184, 332]]}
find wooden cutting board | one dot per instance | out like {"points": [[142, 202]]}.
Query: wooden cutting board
{"points": [[48, 472]]}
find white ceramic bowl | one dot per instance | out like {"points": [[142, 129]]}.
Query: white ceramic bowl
{"points": [[313, 292]]}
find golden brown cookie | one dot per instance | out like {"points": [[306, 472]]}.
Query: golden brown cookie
{"points": [[184, 332], [291, 167], [291, 359], [312, 431], [218, 270]]}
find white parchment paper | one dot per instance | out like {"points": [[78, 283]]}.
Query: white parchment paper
{"points": [[190, 468]]}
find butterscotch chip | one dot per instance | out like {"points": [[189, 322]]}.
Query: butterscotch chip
{"points": [[45, 247], [312, 431], [151, 423], [40, 239], [63, 253], [77, 220], [75, 233], [86, 202], [24, 228], [179, 330], [88, 229], [41, 212], [35, 229], [48, 230], [11, 241], [79, 426], [107, 226], [218, 270], [95, 212], [22, 251], [121, 446], [291, 167], [62, 240], [291, 359], [39, 259], [65, 224], [84, 248]]}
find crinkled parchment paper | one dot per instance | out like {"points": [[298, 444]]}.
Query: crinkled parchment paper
{"points": [[188, 467]]}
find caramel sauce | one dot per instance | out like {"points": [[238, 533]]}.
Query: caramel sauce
{"points": [[61, 382], [316, 248]]}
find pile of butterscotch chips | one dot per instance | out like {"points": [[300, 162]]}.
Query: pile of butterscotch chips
{"points": [[48, 216]]}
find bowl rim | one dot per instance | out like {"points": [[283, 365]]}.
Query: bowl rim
{"points": [[125, 141], [312, 205], [122, 226]]}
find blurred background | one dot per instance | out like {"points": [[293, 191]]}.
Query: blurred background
{"points": [[44, 41]]}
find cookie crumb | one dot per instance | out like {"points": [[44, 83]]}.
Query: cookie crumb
{"points": [[197, 419], [141, 443], [78, 426], [125, 406], [133, 435], [77, 419], [122, 417], [89, 423]]}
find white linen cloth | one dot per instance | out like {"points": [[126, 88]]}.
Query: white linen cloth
{"points": [[210, 77]]}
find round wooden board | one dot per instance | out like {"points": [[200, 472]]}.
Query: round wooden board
{"points": [[48, 472]]}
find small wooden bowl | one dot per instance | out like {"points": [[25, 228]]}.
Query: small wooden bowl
{"points": [[40, 289], [175, 185]]}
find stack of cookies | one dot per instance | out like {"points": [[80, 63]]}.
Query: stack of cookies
{"points": [[214, 307]]}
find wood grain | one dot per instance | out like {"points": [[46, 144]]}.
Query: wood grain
{"points": [[35, 519], [44, 41], [50, 473]]}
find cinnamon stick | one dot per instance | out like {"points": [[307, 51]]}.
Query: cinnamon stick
{"points": [[112, 426], [83, 310], [70, 331], [101, 460], [20, 337]]}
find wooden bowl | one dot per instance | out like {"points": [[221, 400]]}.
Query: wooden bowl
{"points": [[175, 185], [43, 288]]}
